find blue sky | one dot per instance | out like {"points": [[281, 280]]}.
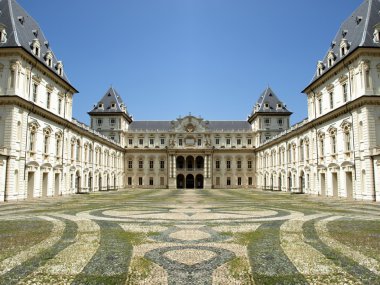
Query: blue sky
{"points": [[212, 58]]}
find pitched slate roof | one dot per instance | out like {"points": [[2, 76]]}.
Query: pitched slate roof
{"points": [[22, 29], [111, 97], [270, 98], [358, 30], [166, 126]]}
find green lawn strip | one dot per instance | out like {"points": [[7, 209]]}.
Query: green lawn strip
{"points": [[20, 272], [353, 268], [110, 263], [269, 263], [19, 235], [360, 235]]}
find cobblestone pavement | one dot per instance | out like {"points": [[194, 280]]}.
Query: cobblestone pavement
{"points": [[190, 237]]}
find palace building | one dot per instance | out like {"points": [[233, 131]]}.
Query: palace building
{"points": [[44, 152]]}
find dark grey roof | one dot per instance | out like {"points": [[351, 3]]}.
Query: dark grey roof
{"points": [[358, 30], [166, 126], [111, 97], [270, 98], [229, 126], [22, 29]]}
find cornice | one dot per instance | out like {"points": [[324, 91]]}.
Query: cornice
{"points": [[349, 107], [21, 102]]}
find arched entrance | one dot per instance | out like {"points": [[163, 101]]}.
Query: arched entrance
{"points": [[180, 162], [180, 181], [114, 182], [189, 163], [90, 182], [290, 182], [108, 182], [199, 162], [77, 182], [199, 181], [100, 183], [271, 182], [302, 182], [279, 183], [190, 181]]}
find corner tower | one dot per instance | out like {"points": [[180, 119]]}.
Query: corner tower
{"points": [[110, 116], [269, 117]]}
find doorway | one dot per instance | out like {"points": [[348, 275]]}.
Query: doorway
{"points": [[190, 181], [199, 181]]}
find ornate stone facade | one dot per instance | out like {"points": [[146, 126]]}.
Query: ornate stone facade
{"points": [[45, 152]]}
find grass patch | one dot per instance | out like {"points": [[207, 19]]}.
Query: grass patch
{"points": [[19, 235], [363, 236]]}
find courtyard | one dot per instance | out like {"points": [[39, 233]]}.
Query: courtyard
{"points": [[190, 237]]}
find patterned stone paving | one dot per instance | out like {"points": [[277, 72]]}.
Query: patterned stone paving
{"points": [[190, 237]]}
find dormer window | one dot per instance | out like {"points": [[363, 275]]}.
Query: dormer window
{"points": [[3, 35], [49, 58], [376, 34], [100, 106], [266, 105], [320, 68], [113, 106], [279, 106], [331, 58], [344, 46], [36, 47], [59, 67]]}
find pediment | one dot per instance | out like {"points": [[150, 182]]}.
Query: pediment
{"points": [[189, 124]]}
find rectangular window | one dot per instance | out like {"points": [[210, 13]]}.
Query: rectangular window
{"points": [[228, 141], [151, 141], [199, 142], [239, 181], [151, 164], [249, 164], [238, 141], [250, 181], [217, 181], [112, 122], [162, 164], [280, 122], [320, 106], [331, 100], [180, 142], [249, 142], [35, 91], [239, 164], [141, 164], [217, 164], [228, 181], [100, 122], [141, 141], [151, 181], [217, 141], [130, 164], [31, 141], [228, 164], [140, 181], [333, 144], [59, 106], [129, 181], [348, 141], [344, 87], [130, 141], [267, 121], [162, 141], [48, 96]]}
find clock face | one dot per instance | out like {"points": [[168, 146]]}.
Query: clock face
{"points": [[190, 128]]}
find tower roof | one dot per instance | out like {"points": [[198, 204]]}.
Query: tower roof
{"points": [[22, 31], [111, 103], [356, 31], [268, 103]]}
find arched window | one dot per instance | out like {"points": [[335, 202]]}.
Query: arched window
{"points": [[332, 132], [47, 132], [33, 127], [58, 144], [321, 144]]}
